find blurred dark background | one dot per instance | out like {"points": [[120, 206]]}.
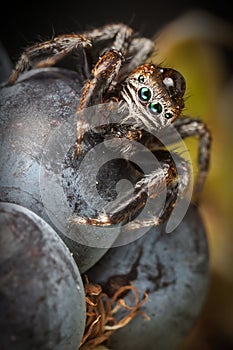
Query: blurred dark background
{"points": [[24, 23]]}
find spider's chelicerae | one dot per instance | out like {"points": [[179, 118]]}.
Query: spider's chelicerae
{"points": [[115, 70]]}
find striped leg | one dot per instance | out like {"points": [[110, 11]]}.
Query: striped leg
{"points": [[127, 207], [102, 75], [48, 53], [194, 127]]}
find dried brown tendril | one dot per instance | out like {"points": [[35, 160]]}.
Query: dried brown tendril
{"points": [[101, 313]]}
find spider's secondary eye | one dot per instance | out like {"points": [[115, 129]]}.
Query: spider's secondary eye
{"points": [[168, 115], [141, 79], [155, 107], [144, 94]]}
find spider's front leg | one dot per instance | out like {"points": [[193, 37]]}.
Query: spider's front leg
{"points": [[102, 76], [128, 206]]}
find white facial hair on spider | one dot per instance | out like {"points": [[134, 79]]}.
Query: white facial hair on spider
{"points": [[154, 96]]}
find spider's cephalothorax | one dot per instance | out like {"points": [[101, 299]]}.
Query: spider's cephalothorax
{"points": [[115, 69], [154, 94]]}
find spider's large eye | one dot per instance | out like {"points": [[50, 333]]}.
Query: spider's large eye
{"points": [[155, 107], [144, 94]]}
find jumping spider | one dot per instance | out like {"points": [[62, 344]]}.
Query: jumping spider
{"points": [[153, 96]]}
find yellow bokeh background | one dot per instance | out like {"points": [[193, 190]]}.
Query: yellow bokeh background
{"points": [[196, 44]]}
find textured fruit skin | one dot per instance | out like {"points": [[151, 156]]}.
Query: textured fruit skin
{"points": [[42, 301], [30, 111], [174, 270]]}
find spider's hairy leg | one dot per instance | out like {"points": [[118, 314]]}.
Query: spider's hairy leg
{"points": [[194, 127], [48, 53], [138, 52], [177, 178], [128, 206], [102, 75], [119, 33]]}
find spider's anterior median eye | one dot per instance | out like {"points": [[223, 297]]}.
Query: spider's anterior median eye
{"points": [[144, 94], [155, 107], [141, 79]]}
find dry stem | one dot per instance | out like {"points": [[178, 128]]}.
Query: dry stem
{"points": [[101, 314]]}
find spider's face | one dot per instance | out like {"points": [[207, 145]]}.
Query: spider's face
{"points": [[156, 94]]}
